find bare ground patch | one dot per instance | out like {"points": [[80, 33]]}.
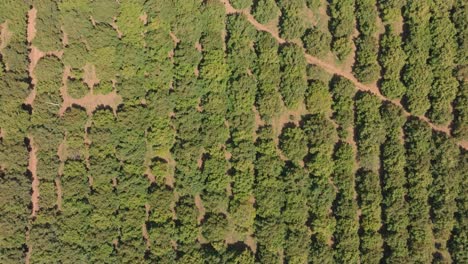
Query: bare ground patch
{"points": [[5, 35], [89, 75], [31, 30], [200, 207], [90, 101], [32, 168]]}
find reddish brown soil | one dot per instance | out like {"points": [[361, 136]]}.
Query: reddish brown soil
{"points": [[229, 8], [287, 116], [32, 167], [199, 47], [116, 28], [251, 243], [144, 18], [90, 101], [174, 38], [58, 185], [31, 31], [34, 56], [145, 235], [170, 179], [64, 37], [200, 161], [91, 18], [200, 207], [310, 17], [5, 35], [398, 25], [27, 259], [258, 119], [150, 176], [89, 75]]}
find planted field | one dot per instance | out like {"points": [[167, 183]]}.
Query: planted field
{"points": [[233, 131]]}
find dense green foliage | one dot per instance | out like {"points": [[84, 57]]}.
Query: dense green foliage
{"points": [[322, 136], [292, 23], [341, 26], [345, 205], [293, 75], [241, 96], [241, 4], [269, 226], [370, 132], [155, 131], [316, 42], [366, 68], [417, 74], [390, 9], [265, 10], [460, 105], [343, 110], [392, 59], [15, 178], [418, 157], [457, 244], [395, 207], [267, 70], [446, 184], [443, 54]]}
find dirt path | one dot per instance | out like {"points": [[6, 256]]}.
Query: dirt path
{"points": [[35, 54], [116, 28], [332, 68], [32, 167], [144, 229], [201, 209], [31, 31], [89, 76], [5, 35], [90, 101], [27, 258]]}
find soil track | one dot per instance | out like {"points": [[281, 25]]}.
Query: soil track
{"points": [[89, 76], [32, 167], [35, 54], [201, 209], [90, 101], [332, 68], [31, 31], [5, 35]]}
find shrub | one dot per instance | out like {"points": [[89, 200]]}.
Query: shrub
{"points": [[316, 42], [265, 10]]}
